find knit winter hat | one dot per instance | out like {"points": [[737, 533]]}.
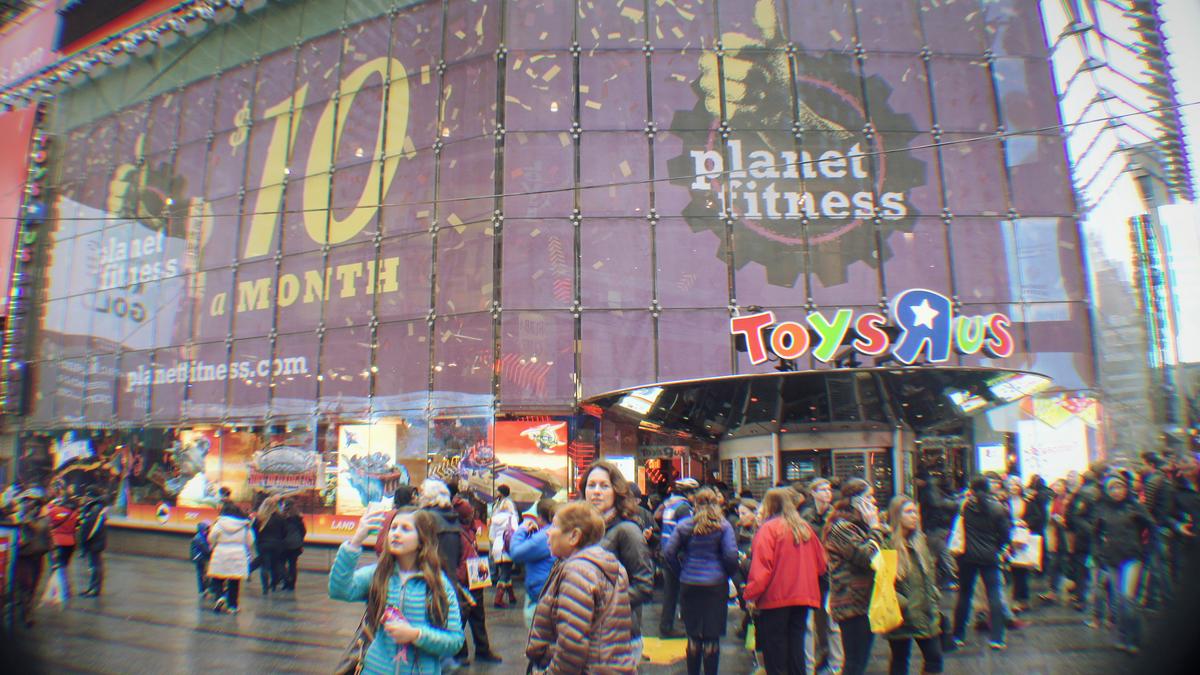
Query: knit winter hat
{"points": [[1116, 478]]}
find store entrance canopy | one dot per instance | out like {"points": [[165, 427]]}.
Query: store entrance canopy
{"points": [[924, 399]]}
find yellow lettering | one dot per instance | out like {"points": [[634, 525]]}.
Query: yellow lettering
{"points": [[254, 294], [370, 285], [347, 274], [217, 306], [328, 135], [315, 285], [270, 194], [387, 275], [289, 289]]}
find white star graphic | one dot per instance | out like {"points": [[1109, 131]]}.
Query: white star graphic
{"points": [[924, 314]]}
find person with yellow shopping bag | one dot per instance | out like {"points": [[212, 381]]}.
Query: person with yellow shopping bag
{"points": [[917, 592]]}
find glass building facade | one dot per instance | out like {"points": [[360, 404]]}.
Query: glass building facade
{"points": [[450, 213]]}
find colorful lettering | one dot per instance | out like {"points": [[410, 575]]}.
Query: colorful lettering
{"points": [[871, 341], [751, 325], [925, 317], [832, 333], [789, 340]]}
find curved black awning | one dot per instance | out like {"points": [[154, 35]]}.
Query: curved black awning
{"points": [[922, 398]]}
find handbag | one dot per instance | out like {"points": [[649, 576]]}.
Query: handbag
{"points": [[884, 610], [1029, 556], [355, 655]]}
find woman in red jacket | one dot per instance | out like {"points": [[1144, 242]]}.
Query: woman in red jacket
{"points": [[786, 563], [64, 521]]}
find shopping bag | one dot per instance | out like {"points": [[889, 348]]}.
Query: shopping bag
{"points": [[751, 638], [55, 594], [1020, 536], [884, 610], [478, 574], [1028, 556], [957, 543]]}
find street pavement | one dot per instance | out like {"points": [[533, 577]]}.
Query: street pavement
{"points": [[150, 620]]}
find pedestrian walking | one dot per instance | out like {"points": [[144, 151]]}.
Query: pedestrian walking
{"points": [[1021, 507], [269, 534], [1057, 554], [501, 527], [787, 562], [232, 542], [703, 554], [987, 529], [93, 538], [35, 543], [853, 536], [583, 622], [604, 487], [674, 508], [63, 516], [294, 532], [530, 547], [823, 651], [745, 529], [1122, 527], [412, 620], [201, 553], [916, 589]]}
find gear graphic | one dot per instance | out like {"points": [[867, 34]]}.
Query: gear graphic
{"points": [[828, 116]]}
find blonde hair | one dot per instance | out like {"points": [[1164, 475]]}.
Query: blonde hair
{"points": [[781, 502], [434, 493], [708, 516], [910, 547]]}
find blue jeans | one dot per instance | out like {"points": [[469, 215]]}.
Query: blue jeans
{"points": [[1115, 594], [993, 582]]}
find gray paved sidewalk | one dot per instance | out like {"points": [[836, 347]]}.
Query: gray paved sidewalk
{"points": [[151, 621]]}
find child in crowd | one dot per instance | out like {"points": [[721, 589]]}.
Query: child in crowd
{"points": [[200, 556]]}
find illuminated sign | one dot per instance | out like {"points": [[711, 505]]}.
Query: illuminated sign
{"points": [[925, 320]]}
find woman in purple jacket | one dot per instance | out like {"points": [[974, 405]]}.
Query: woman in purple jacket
{"points": [[703, 551]]}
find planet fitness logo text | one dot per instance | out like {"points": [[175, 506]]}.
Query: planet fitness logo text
{"points": [[925, 320]]}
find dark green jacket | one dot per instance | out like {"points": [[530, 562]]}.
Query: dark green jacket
{"points": [[918, 595]]}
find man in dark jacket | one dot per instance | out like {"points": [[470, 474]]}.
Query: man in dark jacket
{"points": [[1079, 532], [938, 509], [823, 651], [93, 538], [1119, 523], [1160, 501], [987, 529]]}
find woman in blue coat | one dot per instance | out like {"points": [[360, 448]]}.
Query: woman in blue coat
{"points": [[412, 612], [531, 547]]}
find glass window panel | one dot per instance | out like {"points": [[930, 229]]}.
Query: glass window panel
{"points": [[350, 271], [615, 262], [355, 202], [465, 264], [346, 370], [897, 92], [133, 397], [844, 262], [914, 256], [294, 230], [215, 314], [188, 176], [953, 27], [164, 118], [538, 266], [1027, 96], [467, 181], [422, 119], [691, 263], [313, 153], [275, 84], [1040, 177], [254, 302], [417, 36], [608, 158], [973, 176], [612, 90], [756, 90], [226, 165], [693, 343], [962, 94], [261, 136], [98, 397], [822, 24], [1014, 30], [537, 363], [318, 67], [761, 20], [768, 272], [359, 117], [472, 28], [408, 200], [301, 292], [1060, 343], [462, 367], [537, 163], [219, 236], [404, 292], [615, 351], [206, 392], [830, 91], [45, 388], [672, 75], [539, 91], [611, 24], [249, 378], [402, 357], [985, 268], [888, 25], [538, 24], [131, 126], [1049, 255], [683, 24], [295, 387], [234, 90], [672, 158], [469, 99], [196, 110]]}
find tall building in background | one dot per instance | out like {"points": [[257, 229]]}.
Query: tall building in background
{"points": [[1134, 184]]}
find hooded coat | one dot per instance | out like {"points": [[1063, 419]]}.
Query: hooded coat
{"points": [[232, 542], [583, 622]]}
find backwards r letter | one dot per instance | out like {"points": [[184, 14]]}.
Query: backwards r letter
{"points": [[925, 317]]}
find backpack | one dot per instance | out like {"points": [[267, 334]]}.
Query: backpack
{"points": [[34, 541]]}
